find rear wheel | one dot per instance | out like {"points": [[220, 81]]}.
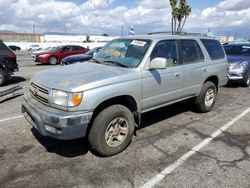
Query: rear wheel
{"points": [[207, 97], [112, 130], [246, 81], [2, 77], [53, 60]]}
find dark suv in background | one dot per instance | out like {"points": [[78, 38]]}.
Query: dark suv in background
{"points": [[8, 63]]}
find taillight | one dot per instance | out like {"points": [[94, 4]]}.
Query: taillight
{"points": [[10, 54]]}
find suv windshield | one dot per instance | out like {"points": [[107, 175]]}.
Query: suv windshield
{"points": [[237, 50], [124, 52]]}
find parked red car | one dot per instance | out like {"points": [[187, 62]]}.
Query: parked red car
{"points": [[55, 54]]}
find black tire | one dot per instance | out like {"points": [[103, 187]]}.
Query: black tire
{"points": [[201, 104], [53, 60], [101, 127], [246, 81], [2, 77]]}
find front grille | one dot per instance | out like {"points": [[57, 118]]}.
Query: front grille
{"points": [[39, 93], [43, 90]]}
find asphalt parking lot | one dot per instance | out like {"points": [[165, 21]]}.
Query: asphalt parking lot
{"points": [[175, 147]]}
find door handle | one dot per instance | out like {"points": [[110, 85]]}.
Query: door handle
{"points": [[205, 70], [178, 75]]}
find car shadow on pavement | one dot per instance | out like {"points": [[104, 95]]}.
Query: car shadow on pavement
{"points": [[78, 147], [14, 80], [45, 64], [234, 85], [164, 113], [65, 148]]}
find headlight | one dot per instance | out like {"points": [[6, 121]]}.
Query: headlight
{"points": [[66, 99], [242, 65]]}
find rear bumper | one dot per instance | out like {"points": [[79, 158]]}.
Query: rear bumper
{"points": [[64, 127], [10, 66]]}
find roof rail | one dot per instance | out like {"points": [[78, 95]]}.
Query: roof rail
{"points": [[178, 33], [161, 32]]}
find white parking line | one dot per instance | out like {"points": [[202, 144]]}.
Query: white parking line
{"points": [[159, 177], [11, 118]]}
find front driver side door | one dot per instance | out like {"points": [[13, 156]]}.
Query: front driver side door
{"points": [[162, 86]]}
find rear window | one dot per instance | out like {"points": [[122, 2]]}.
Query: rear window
{"points": [[214, 49], [3, 46]]}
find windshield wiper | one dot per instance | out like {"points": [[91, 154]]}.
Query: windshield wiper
{"points": [[96, 61], [116, 63]]}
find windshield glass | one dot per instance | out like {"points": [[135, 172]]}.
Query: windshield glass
{"points": [[237, 50], [127, 52], [91, 52], [54, 48]]}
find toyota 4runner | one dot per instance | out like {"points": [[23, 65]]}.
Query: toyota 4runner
{"points": [[104, 98]]}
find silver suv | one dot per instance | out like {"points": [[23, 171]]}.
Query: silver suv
{"points": [[104, 98]]}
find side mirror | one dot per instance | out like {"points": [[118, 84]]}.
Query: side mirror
{"points": [[158, 63]]}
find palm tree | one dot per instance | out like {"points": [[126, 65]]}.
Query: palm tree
{"points": [[180, 13], [173, 20]]}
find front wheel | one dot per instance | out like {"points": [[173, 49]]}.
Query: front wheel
{"points": [[207, 97], [2, 77], [112, 130], [246, 81], [53, 60]]}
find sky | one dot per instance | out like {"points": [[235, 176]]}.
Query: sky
{"points": [[91, 17]]}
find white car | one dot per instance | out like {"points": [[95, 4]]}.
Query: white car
{"points": [[34, 47]]}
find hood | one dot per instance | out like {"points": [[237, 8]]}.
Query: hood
{"points": [[237, 58], [83, 76], [76, 58]]}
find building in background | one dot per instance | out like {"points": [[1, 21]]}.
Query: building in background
{"points": [[20, 37], [98, 38], [76, 38], [225, 39], [64, 38]]}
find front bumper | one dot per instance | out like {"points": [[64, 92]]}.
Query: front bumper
{"points": [[38, 59], [236, 74], [56, 125]]}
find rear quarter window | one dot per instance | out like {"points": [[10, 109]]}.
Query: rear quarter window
{"points": [[77, 48], [3, 46], [214, 49]]}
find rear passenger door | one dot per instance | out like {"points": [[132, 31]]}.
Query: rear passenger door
{"points": [[161, 86], [194, 67]]}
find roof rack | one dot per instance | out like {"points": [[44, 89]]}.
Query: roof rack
{"points": [[179, 33]]}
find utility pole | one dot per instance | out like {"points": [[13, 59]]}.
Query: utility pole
{"points": [[122, 31], [34, 28]]}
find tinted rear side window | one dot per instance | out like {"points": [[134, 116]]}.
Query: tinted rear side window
{"points": [[76, 48], [214, 49], [3, 46], [191, 52]]}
